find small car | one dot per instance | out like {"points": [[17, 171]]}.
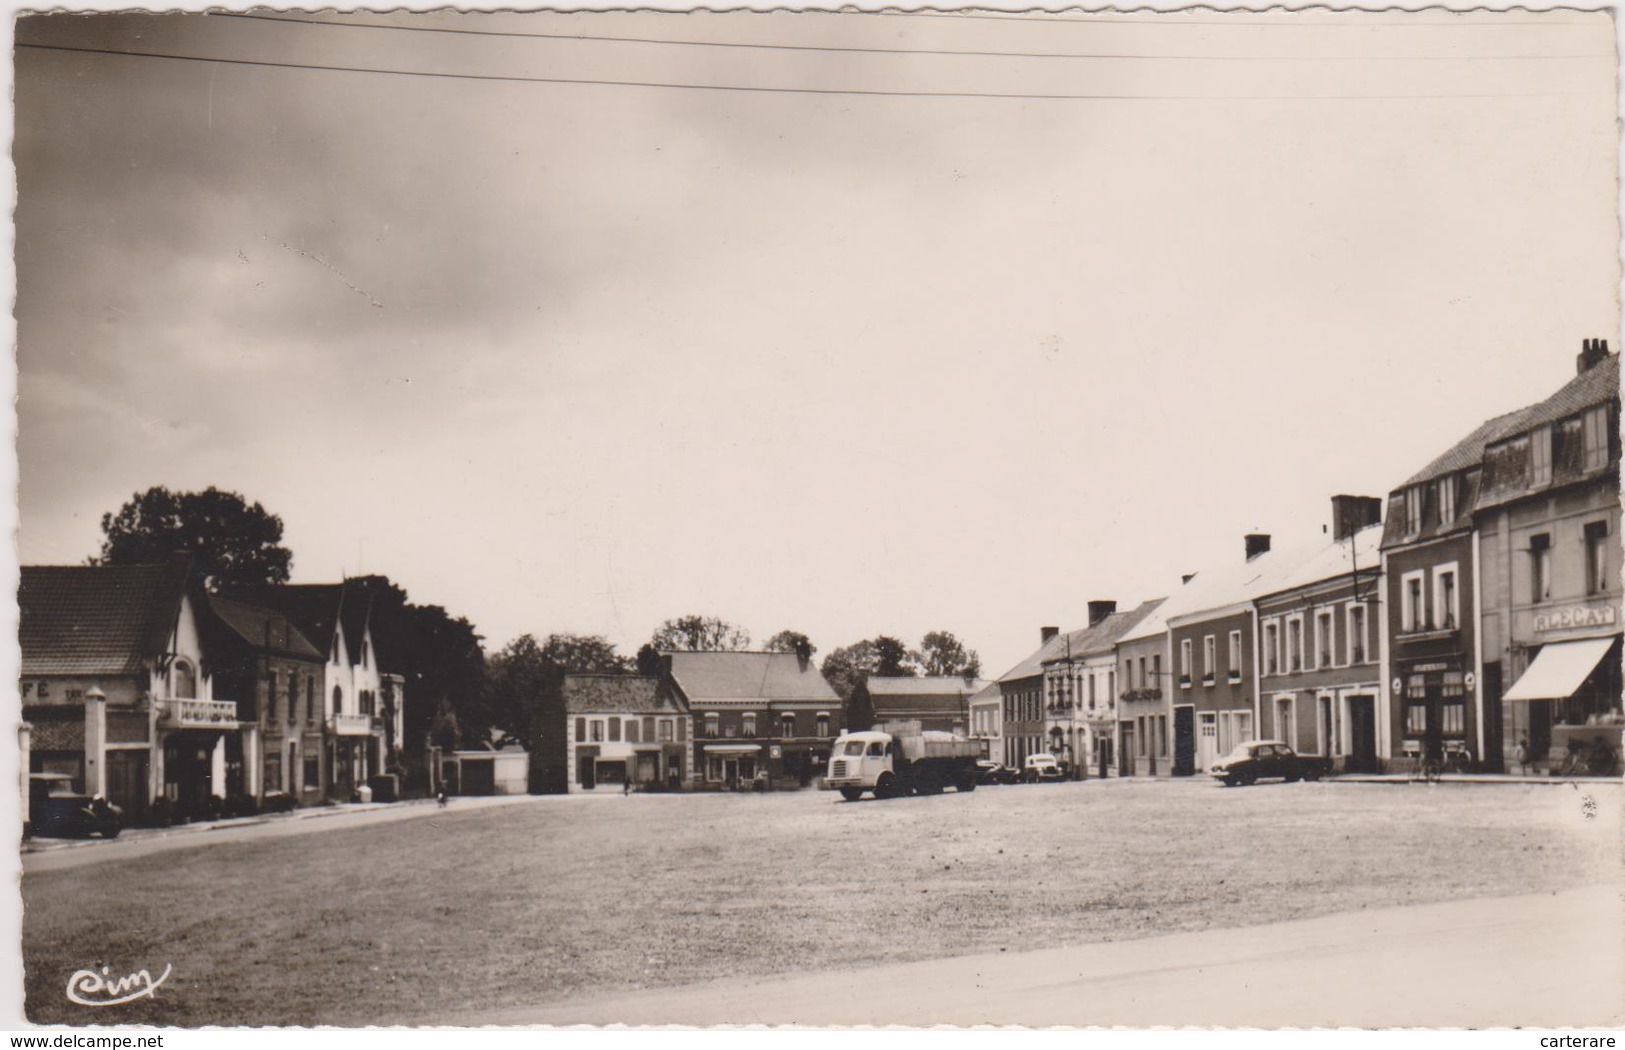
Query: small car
{"points": [[991, 772], [1040, 768], [1253, 760], [57, 811]]}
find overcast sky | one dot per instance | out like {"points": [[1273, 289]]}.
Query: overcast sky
{"points": [[582, 357]]}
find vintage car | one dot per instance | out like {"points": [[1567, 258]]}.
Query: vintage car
{"points": [[57, 811], [1253, 760], [1041, 767], [991, 772]]}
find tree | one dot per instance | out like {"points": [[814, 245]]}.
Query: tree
{"points": [[230, 540], [790, 642], [700, 634], [943, 654], [893, 659], [849, 665], [521, 672]]}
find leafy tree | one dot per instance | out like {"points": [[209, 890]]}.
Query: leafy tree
{"points": [[700, 634], [648, 660], [442, 660], [519, 674], [893, 659], [846, 667], [943, 654], [230, 540], [790, 642]]}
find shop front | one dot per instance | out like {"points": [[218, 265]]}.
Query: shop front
{"points": [[731, 766], [1436, 721], [1566, 707]]}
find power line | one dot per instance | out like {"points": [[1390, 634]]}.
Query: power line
{"points": [[516, 79], [833, 49]]}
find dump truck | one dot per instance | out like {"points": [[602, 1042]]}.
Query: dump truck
{"points": [[900, 758]]}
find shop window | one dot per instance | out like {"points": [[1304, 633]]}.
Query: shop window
{"points": [[1416, 719], [1454, 714], [713, 768]]}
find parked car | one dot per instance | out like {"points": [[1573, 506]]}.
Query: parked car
{"points": [[1253, 760], [57, 811], [991, 772], [1041, 767]]}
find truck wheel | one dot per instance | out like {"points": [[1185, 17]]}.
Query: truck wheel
{"points": [[851, 794], [1311, 775], [886, 786], [968, 784]]}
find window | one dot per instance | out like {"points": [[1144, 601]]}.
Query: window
{"points": [[1356, 633], [1235, 654], [712, 723], [270, 696], [338, 699], [1184, 661], [665, 730], [313, 771], [293, 698], [1506, 466], [1272, 648], [185, 681], [1446, 604], [1091, 692], [1156, 673], [310, 699], [1411, 609], [1146, 683], [1540, 456], [1294, 643], [1285, 727], [1454, 715], [1209, 656], [632, 731], [596, 728], [713, 768], [682, 730], [1595, 424], [747, 723], [1416, 719], [1596, 540], [1447, 499], [1540, 567], [648, 729], [823, 722], [1568, 448], [1323, 638], [581, 729], [1413, 510], [787, 725]]}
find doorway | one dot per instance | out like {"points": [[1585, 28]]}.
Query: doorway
{"points": [[1184, 741], [1362, 726], [127, 782]]}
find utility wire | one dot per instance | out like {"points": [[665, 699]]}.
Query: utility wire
{"points": [[516, 34], [516, 79]]}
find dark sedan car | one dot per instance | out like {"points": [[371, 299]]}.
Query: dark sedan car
{"points": [[56, 811], [990, 772], [1256, 759]]}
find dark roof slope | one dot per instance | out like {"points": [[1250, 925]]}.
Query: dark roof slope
{"points": [[749, 676], [260, 628], [102, 619], [315, 608], [1092, 641], [617, 693]]}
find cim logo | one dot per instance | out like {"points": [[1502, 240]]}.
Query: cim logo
{"points": [[90, 988]]}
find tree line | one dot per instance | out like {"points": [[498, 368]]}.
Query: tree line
{"points": [[457, 696]]}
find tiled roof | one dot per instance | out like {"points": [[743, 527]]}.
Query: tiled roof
{"points": [[96, 620], [1033, 664], [616, 693], [1092, 641], [989, 692], [1335, 560], [261, 628], [1595, 386], [315, 607], [947, 685], [749, 676]]}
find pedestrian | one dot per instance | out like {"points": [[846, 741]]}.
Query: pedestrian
{"points": [[626, 787], [1522, 754], [440, 797]]}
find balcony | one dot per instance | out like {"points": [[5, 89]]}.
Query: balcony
{"points": [[197, 714], [351, 725]]}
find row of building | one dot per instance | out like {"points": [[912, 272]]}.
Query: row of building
{"points": [[1482, 615], [144, 687]]}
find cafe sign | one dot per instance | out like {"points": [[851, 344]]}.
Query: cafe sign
{"points": [[1575, 617]]}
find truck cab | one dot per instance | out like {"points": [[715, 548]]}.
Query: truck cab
{"points": [[857, 761]]}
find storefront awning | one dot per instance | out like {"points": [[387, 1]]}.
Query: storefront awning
{"points": [[1560, 669], [732, 749]]}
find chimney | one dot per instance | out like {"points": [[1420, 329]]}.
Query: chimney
{"points": [[1099, 609], [1186, 578], [1592, 354], [1257, 543], [1046, 633], [1350, 514], [803, 653]]}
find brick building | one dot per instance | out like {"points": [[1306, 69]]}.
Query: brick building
{"points": [[769, 713]]}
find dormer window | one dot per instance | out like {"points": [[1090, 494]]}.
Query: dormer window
{"points": [[184, 680], [1447, 499], [1413, 510]]}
